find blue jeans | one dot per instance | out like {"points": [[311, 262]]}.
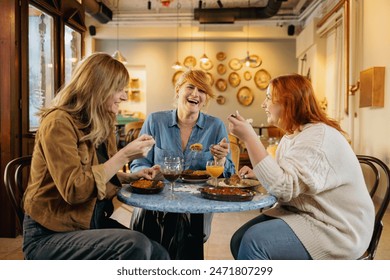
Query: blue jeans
{"points": [[113, 243], [267, 238]]}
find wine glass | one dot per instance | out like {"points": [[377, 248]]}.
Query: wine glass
{"points": [[171, 170], [215, 169]]}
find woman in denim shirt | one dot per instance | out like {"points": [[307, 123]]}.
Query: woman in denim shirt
{"points": [[174, 132]]}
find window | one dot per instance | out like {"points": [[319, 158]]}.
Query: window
{"points": [[41, 61]]}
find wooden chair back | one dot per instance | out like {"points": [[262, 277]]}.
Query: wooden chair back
{"points": [[16, 175], [132, 131], [377, 177]]}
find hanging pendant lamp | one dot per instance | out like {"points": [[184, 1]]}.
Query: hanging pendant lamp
{"points": [[177, 64], [117, 54], [204, 58], [248, 59]]}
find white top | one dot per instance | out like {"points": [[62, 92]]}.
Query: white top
{"points": [[321, 190]]}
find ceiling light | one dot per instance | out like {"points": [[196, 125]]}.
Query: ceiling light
{"points": [[204, 57], [117, 54], [177, 64], [248, 60]]}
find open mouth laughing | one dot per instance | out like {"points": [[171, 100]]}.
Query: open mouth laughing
{"points": [[193, 101]]}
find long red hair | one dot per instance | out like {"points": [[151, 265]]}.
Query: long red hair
{"points": [[296, 95]]}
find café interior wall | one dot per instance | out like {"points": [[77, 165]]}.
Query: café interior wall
{"points": [[372, 124], [157, 57]]}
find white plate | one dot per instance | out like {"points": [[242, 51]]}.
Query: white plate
{"points": [[194, 181], [248, 183]]}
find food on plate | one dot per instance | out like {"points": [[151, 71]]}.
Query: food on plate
{"points": [[234, 180], [195, 174], [226, 191], [145, 184], [196, 147]]}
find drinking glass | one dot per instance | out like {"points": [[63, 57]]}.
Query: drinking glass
{"points": [[171, 170], [215, 169]]}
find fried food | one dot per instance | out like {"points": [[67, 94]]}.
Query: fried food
{"points": [[196, 147], [195, 174], [235, 180], [145, 184], [226, 191]]}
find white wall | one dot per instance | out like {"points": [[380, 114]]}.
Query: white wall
{"points": [[278, 57], [372, 125]]}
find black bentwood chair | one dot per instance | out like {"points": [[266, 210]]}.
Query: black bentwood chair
{"points": [[377, 177], [15, 181]]}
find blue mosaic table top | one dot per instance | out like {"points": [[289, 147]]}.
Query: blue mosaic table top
{"points": [[189, 200]]}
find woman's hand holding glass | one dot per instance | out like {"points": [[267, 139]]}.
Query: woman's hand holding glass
{"points": [[215, 169]]}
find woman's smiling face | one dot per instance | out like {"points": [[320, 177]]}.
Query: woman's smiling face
{"points": [[191, 98], [272, 110], [113, 102]]}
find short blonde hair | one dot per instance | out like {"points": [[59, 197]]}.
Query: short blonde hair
{"points": [[199, 79], [93, 82]]}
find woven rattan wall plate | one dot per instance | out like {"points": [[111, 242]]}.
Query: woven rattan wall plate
{"points": [[211, 78], [221, 69], [247, 75], [176, 76], [234, 79], [221, 84], [245, 96], [189, 62], [221, 56], [262, 79], [206, 65], [235, 64]]}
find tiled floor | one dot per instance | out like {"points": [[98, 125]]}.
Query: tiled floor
{"points": [[216, 248]]}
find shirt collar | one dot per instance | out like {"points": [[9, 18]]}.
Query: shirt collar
{"points": [[173, 119]]}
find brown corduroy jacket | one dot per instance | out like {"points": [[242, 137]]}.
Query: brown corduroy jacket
{"points": [[65, 179]]}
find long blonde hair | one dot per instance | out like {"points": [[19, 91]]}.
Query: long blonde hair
{"points": [[93, 82]]}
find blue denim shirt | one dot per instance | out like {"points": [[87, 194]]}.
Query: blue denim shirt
{"points": [[164, 128]]}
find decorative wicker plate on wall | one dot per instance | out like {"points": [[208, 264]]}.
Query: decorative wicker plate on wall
{"points": [[234, 79], [221, 69], [211, 78], [262, 79], [221, 56], [206, 65], [176, 76], [257, 63], [189, 62], [247, 75], [245, 96], [235, 64], [221, 99], [221, 84]]}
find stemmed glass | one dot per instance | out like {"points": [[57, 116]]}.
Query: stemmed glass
{"points": [[171, 170], [215, 169]]}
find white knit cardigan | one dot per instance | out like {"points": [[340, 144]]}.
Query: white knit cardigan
{"points": [[321, 191]]}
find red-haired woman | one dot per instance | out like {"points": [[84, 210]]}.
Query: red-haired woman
{"points": [[324, 210]]}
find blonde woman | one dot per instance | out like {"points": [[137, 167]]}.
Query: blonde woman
{"points": [[175, 131], [73, 177]]}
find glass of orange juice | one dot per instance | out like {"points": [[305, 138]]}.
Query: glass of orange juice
{"points": [[215, 169]]}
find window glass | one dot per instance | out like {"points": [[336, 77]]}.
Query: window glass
{"points": [[41, 61], [72, 51]]}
